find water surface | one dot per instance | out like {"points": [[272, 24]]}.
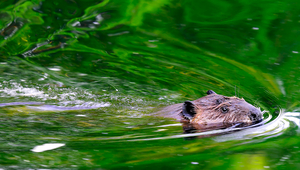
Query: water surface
{"points": [[79, 79]]}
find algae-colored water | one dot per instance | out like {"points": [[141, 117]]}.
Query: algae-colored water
{"points": [[79, 78]]}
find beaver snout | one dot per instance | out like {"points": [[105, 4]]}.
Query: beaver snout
{"points": [[255, 116]]}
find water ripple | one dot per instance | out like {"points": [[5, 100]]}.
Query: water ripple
{"points": [[261, 131], [269, 130]]}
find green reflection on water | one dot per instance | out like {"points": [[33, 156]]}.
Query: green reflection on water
{"points": [[139, 56]]}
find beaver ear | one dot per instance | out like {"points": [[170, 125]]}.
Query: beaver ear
{"points": [[188, 110], [210, 92]]}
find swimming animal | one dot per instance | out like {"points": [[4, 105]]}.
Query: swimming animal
{"points": [[213, 111]]}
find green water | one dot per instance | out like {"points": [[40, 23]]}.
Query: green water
{"points": [[84, 75]]}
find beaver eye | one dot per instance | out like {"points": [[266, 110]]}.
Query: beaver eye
{"points": [[224, 109]]}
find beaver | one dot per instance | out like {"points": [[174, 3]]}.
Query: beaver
{"points": [[212, 112]]}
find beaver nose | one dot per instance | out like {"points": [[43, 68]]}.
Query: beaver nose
{"points": [[255, 116]]}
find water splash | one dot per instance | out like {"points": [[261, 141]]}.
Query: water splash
{"points": [[63, 98]]}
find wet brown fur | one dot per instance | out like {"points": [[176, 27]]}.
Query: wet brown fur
{"points": [[213, 112]]}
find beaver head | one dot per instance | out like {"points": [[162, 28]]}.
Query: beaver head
{"points": [[216, 111]]}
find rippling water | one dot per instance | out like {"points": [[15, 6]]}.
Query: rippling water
{"points": [[80, 79]]}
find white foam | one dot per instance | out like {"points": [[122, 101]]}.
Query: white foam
{"points": [[65, 98]]}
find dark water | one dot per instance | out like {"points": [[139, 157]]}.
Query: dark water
{"points": [[78, 79]]}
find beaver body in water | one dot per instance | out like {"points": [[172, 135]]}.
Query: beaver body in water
{"points": [[213, 112]]}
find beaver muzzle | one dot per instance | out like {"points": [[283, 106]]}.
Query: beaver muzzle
{"points": [[255, 116]]}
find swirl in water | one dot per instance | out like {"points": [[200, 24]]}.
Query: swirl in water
{"points": [[260, 131]]}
